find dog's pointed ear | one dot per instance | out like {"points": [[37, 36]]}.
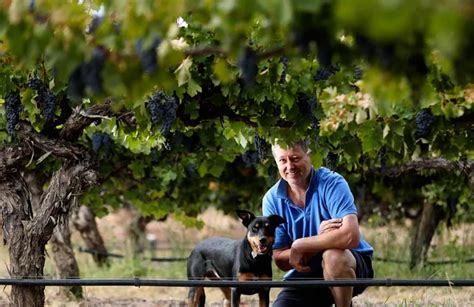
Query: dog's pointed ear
{"points": [[276, 220], [245, 216]]}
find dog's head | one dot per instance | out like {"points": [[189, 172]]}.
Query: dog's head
{"points": [[260, 231]]}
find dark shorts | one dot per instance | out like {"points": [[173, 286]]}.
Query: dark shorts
{"points": [[321, 296]]}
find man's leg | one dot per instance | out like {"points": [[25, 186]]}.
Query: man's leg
{"points": [[338, 264], [303, 297]]}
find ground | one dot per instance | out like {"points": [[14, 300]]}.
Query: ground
{"points": [[171, 233]]}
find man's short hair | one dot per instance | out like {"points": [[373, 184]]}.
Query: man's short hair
{"points": [[303, 144]]}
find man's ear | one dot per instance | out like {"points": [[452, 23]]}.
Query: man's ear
{"points": [[245, 216], [276, 220]]}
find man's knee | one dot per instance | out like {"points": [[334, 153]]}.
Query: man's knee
{"points": [[337, 261]]}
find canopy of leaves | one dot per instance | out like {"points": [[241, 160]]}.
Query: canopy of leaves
{"points": [[192, 84]]}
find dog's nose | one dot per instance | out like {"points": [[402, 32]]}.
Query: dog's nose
{"points": [[263, 240]]}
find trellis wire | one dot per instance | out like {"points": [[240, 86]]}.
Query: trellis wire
{"points": [[172, 259], [137, 282]]}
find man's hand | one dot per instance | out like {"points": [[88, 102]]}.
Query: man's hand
{"points": [[299, 260], [329, 225]]}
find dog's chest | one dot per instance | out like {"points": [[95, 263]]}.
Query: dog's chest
{"points": [[247, 276]]}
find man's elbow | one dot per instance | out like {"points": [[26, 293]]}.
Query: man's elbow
{"points": [[353, 240]]}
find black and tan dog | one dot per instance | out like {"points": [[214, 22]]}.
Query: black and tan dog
{"points": [[246, 259]]}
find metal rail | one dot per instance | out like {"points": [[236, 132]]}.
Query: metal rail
{"points": [[137, 282]]}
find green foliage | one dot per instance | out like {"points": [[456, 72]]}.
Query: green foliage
{"points": [[413, 57]]}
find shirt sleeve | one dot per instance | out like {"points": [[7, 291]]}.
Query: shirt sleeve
{"points": [[340, 198], [281, 232]]}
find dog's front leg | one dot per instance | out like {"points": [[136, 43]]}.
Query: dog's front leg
{"points": [[235, 297], [264, 297]]}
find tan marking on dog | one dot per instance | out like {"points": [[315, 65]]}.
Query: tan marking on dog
{"points": [[193, 302], [264, 277], [247, 276], [254, 241]]}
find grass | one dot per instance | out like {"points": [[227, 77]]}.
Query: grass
{"points": [[389, 242]]}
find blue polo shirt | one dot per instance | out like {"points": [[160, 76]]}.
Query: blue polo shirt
{"points": [[328, 196]]}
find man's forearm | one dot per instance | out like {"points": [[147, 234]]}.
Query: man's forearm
{"points": [[345, 237]]}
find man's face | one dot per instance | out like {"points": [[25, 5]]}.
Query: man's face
{"points": [[293, 164]]}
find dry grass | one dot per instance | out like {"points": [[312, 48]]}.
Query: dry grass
{"points": [[171, 234]]}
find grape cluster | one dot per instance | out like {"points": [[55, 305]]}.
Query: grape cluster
{"points": [[383, 160], [44, 97], [331, 160], [324, 73], [95, 23], [250, 158], [31, 5], [272, 174], [424, 120], [248, 66], [284, 61], [191, 170], [358, 73], [101, 140], [66, 110], [262, 147], [148, 57], [13, 108], [307, 106], [87, 75], [163, 109]]}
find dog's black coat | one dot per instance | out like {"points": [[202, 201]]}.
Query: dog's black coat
{"points": [[246, 259]]}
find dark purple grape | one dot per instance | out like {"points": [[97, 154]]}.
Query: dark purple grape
{"points": [[163, 109], [148, 57], [358, 73], [262, 147], [424, 120], [383, 160], [91, 71], [324, 73], [94, 24], [13, 108], [331, 160], [250, 158], [248, 66], [284, 60], [96, 141]]}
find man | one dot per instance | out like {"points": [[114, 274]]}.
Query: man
{"points": [[321, 238]]}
